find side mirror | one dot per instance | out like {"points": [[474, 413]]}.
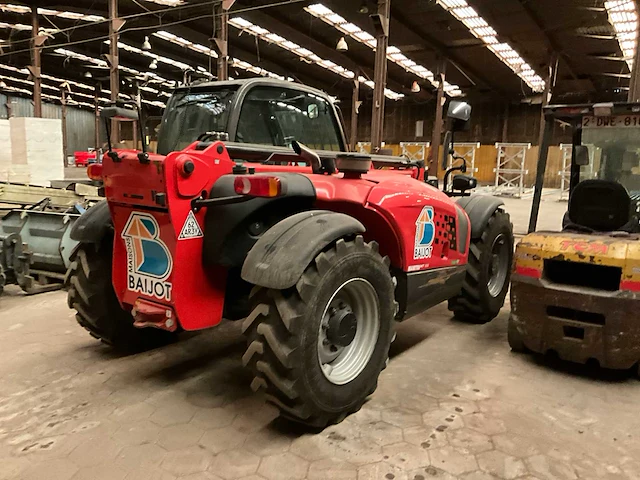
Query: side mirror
{"points": [[460, 114], [581, 155], [464, 183]]}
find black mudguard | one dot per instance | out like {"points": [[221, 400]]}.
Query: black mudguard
{"points": [[93, 225], [479, 208], [231, 230], [280, 256]]}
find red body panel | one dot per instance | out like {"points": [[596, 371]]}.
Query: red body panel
{"points": [[389, 205], [196, 294], [159, 240]]}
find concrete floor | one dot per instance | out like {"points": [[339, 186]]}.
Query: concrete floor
{"points": [[454, 403]]}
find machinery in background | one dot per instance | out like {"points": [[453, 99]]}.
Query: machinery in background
{"points": [[577, 292], [85, 158], [35, 225]]}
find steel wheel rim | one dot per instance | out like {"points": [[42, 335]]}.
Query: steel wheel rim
{"points": [[499, 266], [341, 365]]}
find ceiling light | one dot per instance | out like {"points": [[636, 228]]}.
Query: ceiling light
{"points": [[87, 74], [479, 27], [3, 84], [168, 3], [157, 58], [364, 7], [146, 45], [183, 42], [415, 87], [342, 45], [307, 56], [624, 18], [154, 64], [320, 9], [20, 9], [351, 30]]}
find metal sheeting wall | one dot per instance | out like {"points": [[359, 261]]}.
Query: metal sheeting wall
{"points": [[80, 123]]}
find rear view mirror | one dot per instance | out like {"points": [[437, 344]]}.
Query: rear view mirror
{"points": [[312, 111], [459, 111], [460, 114], [581, 155], [464, 182]]}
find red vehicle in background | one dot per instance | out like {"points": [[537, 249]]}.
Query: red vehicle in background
{"points": [[84, 158]]}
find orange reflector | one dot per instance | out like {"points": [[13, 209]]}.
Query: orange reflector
{"points": [[94, 172], [258, 185]]}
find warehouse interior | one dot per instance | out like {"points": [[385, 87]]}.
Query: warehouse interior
{"points": [[458, 397]]}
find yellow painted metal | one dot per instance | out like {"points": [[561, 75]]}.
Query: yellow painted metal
{"points": [[623, 252]]}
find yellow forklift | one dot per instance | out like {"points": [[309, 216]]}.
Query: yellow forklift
{"points": [[576, 292]]}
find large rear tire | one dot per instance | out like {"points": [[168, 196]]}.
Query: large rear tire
{"points": [[488, 272], [91, 295], [316, 350]]}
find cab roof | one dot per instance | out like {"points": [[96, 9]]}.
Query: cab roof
{"points": [[250, 82]]}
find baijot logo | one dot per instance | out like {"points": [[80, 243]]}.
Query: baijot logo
{"points": [[149, 261], [425, 234]]}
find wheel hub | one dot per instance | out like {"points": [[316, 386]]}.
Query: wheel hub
{"points": [[499, 265], [348, 331], [342, 326]]}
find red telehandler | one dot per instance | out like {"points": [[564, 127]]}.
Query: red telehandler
{"points": [[316, 250]]}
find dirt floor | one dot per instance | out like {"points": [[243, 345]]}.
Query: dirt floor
{"points": [[454, 403]]}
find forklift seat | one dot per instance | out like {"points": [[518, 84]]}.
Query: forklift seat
{"points": [[601, 206]]}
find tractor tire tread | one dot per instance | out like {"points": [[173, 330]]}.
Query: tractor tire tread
{"points": [[91, 295], [271, 330], [470, 305]]}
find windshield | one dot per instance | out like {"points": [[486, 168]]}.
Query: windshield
{"points": [[279, 115], [614, 150], [192, 113]]}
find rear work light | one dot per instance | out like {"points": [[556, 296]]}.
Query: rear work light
{"points": [[258, 186], [94, 172]]}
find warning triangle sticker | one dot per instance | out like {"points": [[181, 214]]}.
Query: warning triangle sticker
{"points": [[191, 229]]}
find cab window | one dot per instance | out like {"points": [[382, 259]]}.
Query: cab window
{"points": [[278, 116]]}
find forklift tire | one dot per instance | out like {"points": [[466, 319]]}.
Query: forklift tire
{"points": [[91, 295], [488, 272], [514, 337], [316, 349]]}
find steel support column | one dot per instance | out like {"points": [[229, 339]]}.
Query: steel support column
{"points": [[550, 82], [355, 106], [381, 23], [634, 81], [543, 154], [221, 39], [35, 70], [436, 136], [63, 102], [96, 109], [114, 77]]}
